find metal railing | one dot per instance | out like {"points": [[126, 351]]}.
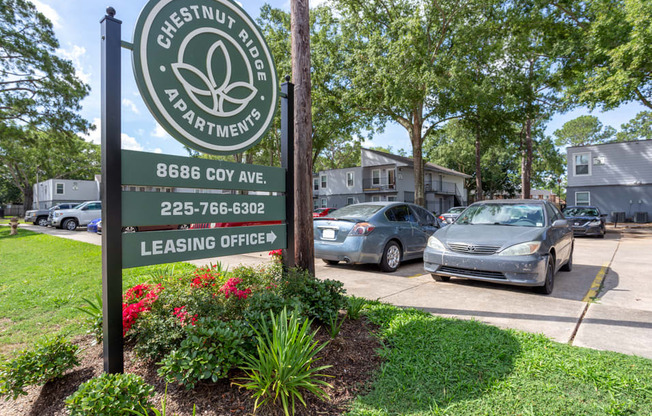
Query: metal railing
{"points": [[378, 184]]}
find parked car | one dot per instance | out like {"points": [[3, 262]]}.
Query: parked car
{"points": [[99, 227], [518, 242], [92, 226], [82, 214], [231, 224], [586, 220], [40, 216], [322, 212], [133, 229], [451, 215], [383, 233]]}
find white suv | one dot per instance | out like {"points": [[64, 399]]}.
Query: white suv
{"points": [[80, 215]]}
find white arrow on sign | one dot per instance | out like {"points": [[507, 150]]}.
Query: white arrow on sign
{"points": [[271, 237]]}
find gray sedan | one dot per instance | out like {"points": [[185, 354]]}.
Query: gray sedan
{"points": [[383, 233], [518, 242]]}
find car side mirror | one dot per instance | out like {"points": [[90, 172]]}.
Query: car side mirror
{"points": [[560, 224]]}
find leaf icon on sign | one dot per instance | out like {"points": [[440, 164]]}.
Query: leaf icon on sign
{"points": [[212, 90]]}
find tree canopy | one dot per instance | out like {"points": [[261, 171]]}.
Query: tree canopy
{"points": [[583, 130]]}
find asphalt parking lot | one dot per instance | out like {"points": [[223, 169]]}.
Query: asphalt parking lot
{"points": [[604, 303]]}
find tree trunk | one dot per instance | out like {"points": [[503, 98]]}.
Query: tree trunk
{"points": [[417, 157], [478, 174], [526, 160], [303, 233]]}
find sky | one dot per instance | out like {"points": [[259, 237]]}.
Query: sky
{"points": [[77, 27]]}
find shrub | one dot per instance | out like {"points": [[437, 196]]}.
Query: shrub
{"points": [[283, 367], [49, 359], [354, 307], [322, 299], [110, 395], [208, 352], [262, 302]]}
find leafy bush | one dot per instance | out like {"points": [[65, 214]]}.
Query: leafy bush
{"points": [[283, 367], [210, 349], [262, 302], [354, 307], [110, 395], [95, 317], [322, 299], [49, 359]]}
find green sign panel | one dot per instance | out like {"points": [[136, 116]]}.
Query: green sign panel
{"points": [[161, 208], [206, 73], [143, 249], [153, 169]]}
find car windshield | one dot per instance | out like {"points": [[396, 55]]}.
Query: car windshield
{"points": [[319, 210], [581, 212], [522, 215], [456, 210], [356, 211]]}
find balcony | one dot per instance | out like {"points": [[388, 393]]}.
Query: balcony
{"points": [[378, 185], [447, 188]]}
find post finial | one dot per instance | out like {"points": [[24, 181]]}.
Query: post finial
{"points": [[110, 11], [287, 78]]}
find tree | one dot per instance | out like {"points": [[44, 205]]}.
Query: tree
{"points": [[639, 128], [583, 130], [36, 87], [607, 51], [399, 58], [55, 154], [339, 154]]}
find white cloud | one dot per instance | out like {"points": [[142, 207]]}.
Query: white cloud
{"points": [[160, 132], [130, 143], [95, 136], [75, 54], [49, 12], [126, 102], [158, 150]]}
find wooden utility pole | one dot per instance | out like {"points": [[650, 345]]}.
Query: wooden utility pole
{"points": [[303, 234]]}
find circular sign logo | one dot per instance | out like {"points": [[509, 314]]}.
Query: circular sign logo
{"points": [[205, 73]]}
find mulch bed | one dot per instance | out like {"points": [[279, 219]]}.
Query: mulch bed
{"points": [[352, 354]]}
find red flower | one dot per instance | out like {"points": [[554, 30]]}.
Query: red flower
{"points": [[231, 288]]}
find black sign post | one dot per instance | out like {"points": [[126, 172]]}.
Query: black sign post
{"points": [[287, 162], [111, 195]]}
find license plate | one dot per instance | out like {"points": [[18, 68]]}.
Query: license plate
{"points": [[328, 234]]}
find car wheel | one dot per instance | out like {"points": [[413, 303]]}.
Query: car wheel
{"points": [[568, 266], [440, 278], [331, 262], [601, 235], [391, 257], [129, 229], [549, 283], [70, 225], [183, 226]]}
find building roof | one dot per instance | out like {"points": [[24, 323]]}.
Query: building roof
{"points": [[428, 166], [610, 143]]}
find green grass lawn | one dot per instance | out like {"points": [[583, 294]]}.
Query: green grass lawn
{"points": [[437, 366], [43, 278]]}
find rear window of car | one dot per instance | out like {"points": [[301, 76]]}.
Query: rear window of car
{"points": [[581, 212], [362, 211], [456, 210], [522, 215]]}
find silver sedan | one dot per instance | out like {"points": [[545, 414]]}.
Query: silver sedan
{"points": [[518, 242], [383, 233]]}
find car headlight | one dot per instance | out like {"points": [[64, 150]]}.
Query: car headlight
{"points": [[522, 249], [593, 223], [434, 243], [58, 214]]}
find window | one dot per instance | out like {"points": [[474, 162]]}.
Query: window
{"points": [[315, 184], [324, 182], [375, 198], [350, 201], [323, 203], [399, 213], [375, 177], [582, 198], [315, 204], [59, 189], [391, 198], [349, 179], [582, 164]]}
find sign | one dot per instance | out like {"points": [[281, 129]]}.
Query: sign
{"points": [[161, 208], [143, 249], [153, 169], [206, 73]]}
